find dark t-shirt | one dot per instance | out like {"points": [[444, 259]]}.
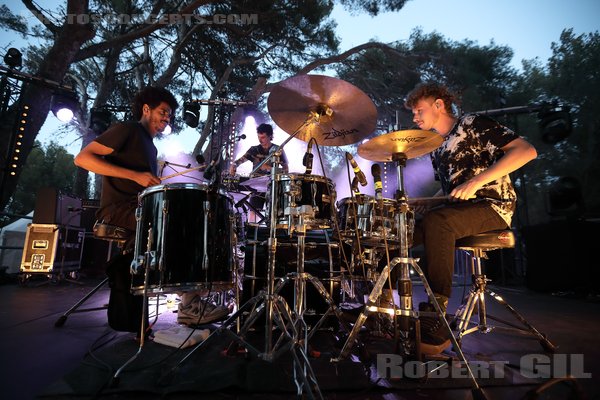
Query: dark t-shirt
{"points": [[133, 149], [472, 146], [257, 154]]}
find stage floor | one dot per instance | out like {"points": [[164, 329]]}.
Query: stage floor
{"points": [[78, 359]]}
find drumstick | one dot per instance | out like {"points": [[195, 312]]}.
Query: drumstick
{"points": [[432, 199], [162, 178]]}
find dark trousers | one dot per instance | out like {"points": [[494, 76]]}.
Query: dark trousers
{"points": [[438, 231]]}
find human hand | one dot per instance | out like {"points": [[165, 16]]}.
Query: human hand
{"points": [[465, 191], [146, 179]]}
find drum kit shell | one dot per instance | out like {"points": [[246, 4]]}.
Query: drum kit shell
{"points": [[189, 251]]}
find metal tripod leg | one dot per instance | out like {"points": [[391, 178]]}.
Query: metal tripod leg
{"points": [[476, 298], [63, 318], [477, 390]]}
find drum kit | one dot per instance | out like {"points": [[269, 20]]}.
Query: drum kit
{"points": [[186, 233]]}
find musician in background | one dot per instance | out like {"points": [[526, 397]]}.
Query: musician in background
{"points": [[472, 165], [257, 154]]}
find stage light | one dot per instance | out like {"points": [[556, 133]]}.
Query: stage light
{"points": [[13, 58], [565, 196], [100, 120], [64, 105], [555, 123], [191, 114]]}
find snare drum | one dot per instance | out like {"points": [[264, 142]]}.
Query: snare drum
{"points": [[190, 232], [371, 224], [311, 196]]}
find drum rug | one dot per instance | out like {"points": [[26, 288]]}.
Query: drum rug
{"points": [[220, 366]]}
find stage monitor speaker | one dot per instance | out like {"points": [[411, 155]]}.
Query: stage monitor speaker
{"points": [[51, 249], [54, 207]]}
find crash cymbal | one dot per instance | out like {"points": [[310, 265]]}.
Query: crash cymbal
{"points": [[413, 143], [345, 114]]}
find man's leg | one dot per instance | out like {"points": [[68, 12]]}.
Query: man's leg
{"points": [[438, 231]]}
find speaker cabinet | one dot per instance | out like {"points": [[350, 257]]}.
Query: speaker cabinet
{"points": [[51, 248], [53, 207]]}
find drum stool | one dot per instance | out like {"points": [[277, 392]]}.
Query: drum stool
{"points": [[114, 235], [476, 247]]}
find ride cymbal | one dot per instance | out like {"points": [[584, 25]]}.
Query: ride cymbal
{"points": [[413, 143], [341, 113]]}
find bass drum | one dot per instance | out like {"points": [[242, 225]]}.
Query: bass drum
{"points": [[311, 196], [190, 239]]}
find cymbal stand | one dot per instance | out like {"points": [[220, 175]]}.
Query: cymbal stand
{"points": [[271, 303], [405, 311]]}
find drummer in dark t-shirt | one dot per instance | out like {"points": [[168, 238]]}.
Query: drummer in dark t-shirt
{"points": [[257, 154], [125, 156]]}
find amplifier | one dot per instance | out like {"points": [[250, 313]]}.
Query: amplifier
{"points": [[51, 248], [88, 213]]}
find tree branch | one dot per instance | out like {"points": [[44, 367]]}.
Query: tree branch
{"points": [[40, 16], [341, 57], [95, 49]]}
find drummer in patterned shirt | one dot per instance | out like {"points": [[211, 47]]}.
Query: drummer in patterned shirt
{"points": [[257, 154], [473, 162]]}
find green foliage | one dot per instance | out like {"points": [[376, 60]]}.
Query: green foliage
{"points": [[51, 166]]}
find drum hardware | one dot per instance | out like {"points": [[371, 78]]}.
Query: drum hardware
{"points": [[148, 261], [404, 145]]}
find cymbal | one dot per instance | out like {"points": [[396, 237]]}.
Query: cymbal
{"points": [[413, 143], [344, 113]]}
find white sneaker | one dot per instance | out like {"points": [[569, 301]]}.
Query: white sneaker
{"points": [[200, 312]]}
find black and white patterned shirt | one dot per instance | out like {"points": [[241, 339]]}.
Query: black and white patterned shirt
{"points": [[472, 146]]}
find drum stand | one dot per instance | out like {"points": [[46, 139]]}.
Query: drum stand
{"points": [[292, 325], [409, 322], [148, 261]]}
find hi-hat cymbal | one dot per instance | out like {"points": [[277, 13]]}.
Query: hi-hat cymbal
{"points": [[413, 143], [345, 114]]}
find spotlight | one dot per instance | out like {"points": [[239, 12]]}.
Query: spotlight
{"points": [[191, 114], [13, 58], [565, 196], [64, 105], [555, 123], [100, 119]]}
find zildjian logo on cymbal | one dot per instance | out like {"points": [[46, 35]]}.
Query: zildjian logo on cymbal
{"points": [[337, 133], [408, 139]]}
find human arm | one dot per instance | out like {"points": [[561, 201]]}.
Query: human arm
{"points": [[91, 157], [517, 153]]}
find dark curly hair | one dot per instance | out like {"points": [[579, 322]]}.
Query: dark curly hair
{"points": [[152, 96], [430, 90], [265, 128]]}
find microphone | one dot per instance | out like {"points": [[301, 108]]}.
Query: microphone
{"points": [[376, 172], [308, 158], [200, 159], [357, 172], [241, 137]]}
